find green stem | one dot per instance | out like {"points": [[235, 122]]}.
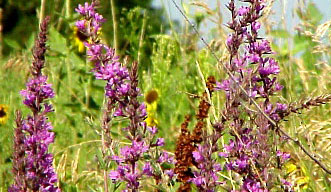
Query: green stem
{"points": [[42, 11], [68, 9], [1, 26], [113, 12], [141, 39]]}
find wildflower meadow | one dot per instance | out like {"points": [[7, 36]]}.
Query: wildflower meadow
{"points": [[114, 95]]}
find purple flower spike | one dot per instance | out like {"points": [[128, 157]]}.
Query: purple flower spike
{"points": [[160, 142], [253, 80], [256, 26], [170, 173], [114, 175], [153, 130], [147, 169], [281, 107], [222, 154], [270, 67], [165, 158], [32, 163], [37, 90], [86, 10], [243, 10], [206, 178], [283, 156], [121, 93], [81, 24]]}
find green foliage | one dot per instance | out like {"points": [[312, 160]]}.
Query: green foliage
{"points": [[311, 13]]}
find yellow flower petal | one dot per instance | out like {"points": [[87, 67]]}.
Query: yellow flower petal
{"points": [[151, 121], [302, 180], [151, 107], [3, 113], [81, 47], [290, 167]]}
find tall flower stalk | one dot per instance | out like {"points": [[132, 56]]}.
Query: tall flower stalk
{"points": [[106, 67], [249, 112], [198, 148], [206, 177], [32, 163], [251, 152], [121, 95]]}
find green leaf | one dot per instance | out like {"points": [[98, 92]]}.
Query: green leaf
{"points": [[166, 165], [100, 159], [56, 41], [30, 42], [314, 14], [301, 43], [76, 61], [13, 44]]}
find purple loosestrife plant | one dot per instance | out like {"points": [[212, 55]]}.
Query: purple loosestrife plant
{"points": [[121, 92], [18, 156], [106, 67], [251, 152], [206, 178], [32, 162]]}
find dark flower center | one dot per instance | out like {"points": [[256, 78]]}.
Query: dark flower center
{"points": [[151, 96], [81, 36], [2, 112]]}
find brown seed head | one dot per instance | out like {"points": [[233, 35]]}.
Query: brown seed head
{"points": [[151, 96]]}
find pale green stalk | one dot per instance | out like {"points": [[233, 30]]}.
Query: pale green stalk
{"points": [[141, 40], [113, 13], [42, 11], [1, 26]]}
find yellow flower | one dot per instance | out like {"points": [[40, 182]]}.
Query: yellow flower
{"points": [[151, 107], [3, 113], [303, 182], [151, 120], [290, 167], [151, 98], [79, 39], [298, 175]]}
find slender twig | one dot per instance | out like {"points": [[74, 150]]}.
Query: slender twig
{"points": [[296, 141], [1, 26], [245, 92], [88, 142], [68, 9], [42, 11], [105, 178], [105, 135], [77, 145], [113, 13], [213, 111], [206, 89], [141, 39], [59, 23]]}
